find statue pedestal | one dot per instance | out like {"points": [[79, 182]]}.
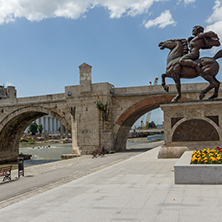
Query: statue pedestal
{"points": [[191, 125]]}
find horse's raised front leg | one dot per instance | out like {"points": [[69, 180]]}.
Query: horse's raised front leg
{"points": [[166, 87], [176, 78]]}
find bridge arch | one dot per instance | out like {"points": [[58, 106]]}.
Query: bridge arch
{"points": [[129, 117], [15, 123]]}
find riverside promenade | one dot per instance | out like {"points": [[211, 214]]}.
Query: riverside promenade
{"points": [[139, 188]]}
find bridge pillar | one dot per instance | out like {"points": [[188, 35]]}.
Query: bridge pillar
{"points": [[75, 147], [91, 127]]}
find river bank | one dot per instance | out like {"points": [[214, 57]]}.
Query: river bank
{"points": [[51, 150], [44, 141], [41, 141], [137, 140]]}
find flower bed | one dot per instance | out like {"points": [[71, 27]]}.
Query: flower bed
{"points": [[200, 173], [207, 156]]}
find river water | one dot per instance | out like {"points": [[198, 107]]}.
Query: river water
{"points": [[45, 153], [48, 153]]}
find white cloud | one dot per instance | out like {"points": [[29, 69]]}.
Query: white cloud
{"points": [[8, 84], [36, 10], [119, 8], [215, 20], [187, 1], [162, 21], [217, 12]]}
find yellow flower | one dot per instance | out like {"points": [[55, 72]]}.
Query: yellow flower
{"points": [[206, 156], [213, 159], [194, 159]]}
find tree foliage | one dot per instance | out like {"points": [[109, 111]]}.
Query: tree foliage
{"points": [[40, 128], [33, 128], [100, 106], [152, 125]]}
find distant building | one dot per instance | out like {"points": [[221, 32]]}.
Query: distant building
{"points": [[160, 126], [50, 125]]}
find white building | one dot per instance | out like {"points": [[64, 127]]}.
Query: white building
{"points": [[50, 125]]}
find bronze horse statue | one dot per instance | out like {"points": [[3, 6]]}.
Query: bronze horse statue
{"points": [[209, 67]]}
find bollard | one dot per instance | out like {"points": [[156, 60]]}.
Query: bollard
{"points": [[20, 166]]}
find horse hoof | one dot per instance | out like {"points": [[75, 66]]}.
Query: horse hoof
{"points": [[201, 96], [166, 88], [174, 100], [212, 97]]}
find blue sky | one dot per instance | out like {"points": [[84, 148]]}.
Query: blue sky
{"points": [[43, 42]]}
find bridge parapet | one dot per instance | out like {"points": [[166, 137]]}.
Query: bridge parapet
{"points": [[158, 89], [97, 89], [40, 99]]}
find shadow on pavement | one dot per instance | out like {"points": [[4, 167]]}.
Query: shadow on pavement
{"points": [[8, 181], [138, 150]]}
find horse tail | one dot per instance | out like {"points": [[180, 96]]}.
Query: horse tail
{"points": [[218, 55]]}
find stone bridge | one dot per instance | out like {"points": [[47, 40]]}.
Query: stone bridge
{"points": [[99, 116]]}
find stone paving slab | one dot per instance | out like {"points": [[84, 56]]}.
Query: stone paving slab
{"points": [[137, 189]]}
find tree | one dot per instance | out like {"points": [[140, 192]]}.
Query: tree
{"points": [[40, 128], [33, 128]]}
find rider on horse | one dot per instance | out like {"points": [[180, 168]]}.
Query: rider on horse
{"points": [[201, 40]]}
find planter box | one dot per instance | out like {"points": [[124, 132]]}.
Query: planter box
{"points": [[186, 173]]}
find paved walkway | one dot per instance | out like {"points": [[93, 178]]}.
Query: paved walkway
{"points": [[43, 177], [140, 188]]}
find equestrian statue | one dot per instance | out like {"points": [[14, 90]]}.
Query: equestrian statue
{"points": [[184, 61]]}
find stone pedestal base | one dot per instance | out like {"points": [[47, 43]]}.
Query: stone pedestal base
{"points": [[191, 125], [171, 152]]}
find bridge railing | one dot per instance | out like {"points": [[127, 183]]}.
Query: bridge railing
{"points": [[158, 89], [37, 99], [156, 130]]}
